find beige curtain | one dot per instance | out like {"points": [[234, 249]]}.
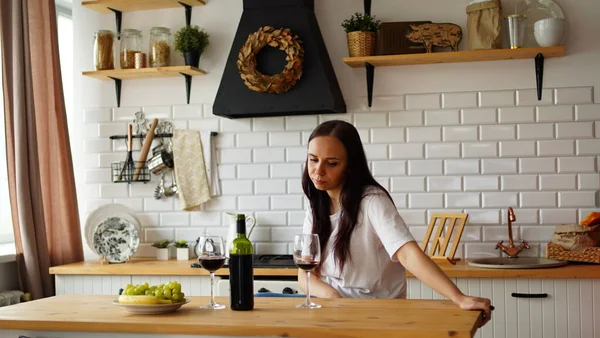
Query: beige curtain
{"points": [[40, 169]]}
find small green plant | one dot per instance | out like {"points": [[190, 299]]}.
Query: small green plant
{"points": [[361, 22], [161, 244], [181, 244], [191, 38]]}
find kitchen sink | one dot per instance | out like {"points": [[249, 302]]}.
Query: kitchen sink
{"points": [[515, 263]]}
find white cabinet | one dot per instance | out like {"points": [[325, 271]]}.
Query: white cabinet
{"points": [[567, 308], [110, 284]]}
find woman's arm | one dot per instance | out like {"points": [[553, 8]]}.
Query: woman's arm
{"points": [[427, 271], [318, 288]]}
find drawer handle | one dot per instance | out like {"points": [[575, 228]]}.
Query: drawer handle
{"points": [[529, 295]]}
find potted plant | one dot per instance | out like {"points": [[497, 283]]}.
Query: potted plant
{"points": [[361, 32], [191, 42], [162, 249], [183, 250]]}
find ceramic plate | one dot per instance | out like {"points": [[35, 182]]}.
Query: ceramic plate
{"points": [[101, 214], [116, 239], [153, 309]]}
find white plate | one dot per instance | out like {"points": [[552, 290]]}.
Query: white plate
{"points": [[151, 309], [104, 212], [116, 239]]}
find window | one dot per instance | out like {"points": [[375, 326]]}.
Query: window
{"points": [[65, 42], [6, 229], [64, 21]]}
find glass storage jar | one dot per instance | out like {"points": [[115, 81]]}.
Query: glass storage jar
{"points": [[131, 43], [104, 57], [160, 47]]}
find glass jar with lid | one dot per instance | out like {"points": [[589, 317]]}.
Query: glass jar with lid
{"points": [[160, 46], [104, 57], [131, 43]]}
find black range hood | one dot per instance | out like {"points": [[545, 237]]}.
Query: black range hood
{"points": [[316, 92]]}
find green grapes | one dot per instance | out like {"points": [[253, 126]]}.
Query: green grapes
{"points": [[167, 292]]}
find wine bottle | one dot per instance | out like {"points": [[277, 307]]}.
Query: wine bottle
{"points": [[241, 274]]}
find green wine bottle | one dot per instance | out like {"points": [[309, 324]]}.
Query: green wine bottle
{"points": [[241, 274]]}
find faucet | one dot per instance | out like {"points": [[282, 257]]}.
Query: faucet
{"points": [[511, 250]]}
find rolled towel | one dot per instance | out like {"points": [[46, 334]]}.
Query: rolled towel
{"points": [[209, 149], [190, 169]]}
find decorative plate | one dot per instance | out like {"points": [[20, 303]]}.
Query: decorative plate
{"points": [[116, 239], [101, 214], [151, 309]]}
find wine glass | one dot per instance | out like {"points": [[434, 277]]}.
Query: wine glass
{"points": [[307, 255], [211, 256]]}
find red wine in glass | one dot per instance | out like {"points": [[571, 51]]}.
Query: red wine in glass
{"points": [[307, 265], [211, 263]]}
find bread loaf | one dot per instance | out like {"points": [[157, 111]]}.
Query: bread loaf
{"points": [[593, 218]]}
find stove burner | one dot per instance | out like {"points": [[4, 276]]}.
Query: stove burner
{"points": [[273, 257], [274, 261]]}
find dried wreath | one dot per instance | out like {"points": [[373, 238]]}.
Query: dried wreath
{"points": [[279, 83]]}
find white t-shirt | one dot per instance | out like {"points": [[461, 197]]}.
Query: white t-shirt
{"points": [[372, 271]]}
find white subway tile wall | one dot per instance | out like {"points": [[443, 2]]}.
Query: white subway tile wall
{"points": [[473, 152]]}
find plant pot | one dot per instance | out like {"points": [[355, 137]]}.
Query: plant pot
{"points": [[192, 58], [361, 43], [162, 254], [183, 254]]}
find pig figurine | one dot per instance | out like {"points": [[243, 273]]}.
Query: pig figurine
{"points": [[436, 34]]}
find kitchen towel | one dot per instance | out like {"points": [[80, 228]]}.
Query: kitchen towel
{"points": [[190, 169], [210, 151]]}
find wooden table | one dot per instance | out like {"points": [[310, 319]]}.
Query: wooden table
{"points": [[271, 317]]}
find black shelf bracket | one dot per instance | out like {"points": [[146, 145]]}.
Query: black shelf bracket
{"points": [[118, 18], [370, 77], [117, 90], [370, 69], [188, 86], [188, 13], [539, 74]]}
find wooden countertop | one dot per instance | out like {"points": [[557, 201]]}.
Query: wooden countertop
{"points": [[270, 317], [150, 267]]}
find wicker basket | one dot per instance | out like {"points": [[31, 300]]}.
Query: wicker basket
{"points": [[588, 255], [361, 43]]}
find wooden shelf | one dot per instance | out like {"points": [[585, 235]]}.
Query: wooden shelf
{"points": [[157, 72], [103, 6], [118, 75], [452, 57]]}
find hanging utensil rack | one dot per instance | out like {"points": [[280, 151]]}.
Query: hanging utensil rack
{"points": [[119, 137]]}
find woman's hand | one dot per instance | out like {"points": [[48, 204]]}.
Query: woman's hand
{"points": [[477, 303]]}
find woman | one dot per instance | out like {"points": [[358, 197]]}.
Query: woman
{"points": [[365, 244]]}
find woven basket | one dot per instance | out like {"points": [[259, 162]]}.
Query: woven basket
{"points": [[361, 43], [588, 255]]}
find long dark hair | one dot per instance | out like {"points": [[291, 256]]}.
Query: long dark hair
{"points": [[356, 179]]}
